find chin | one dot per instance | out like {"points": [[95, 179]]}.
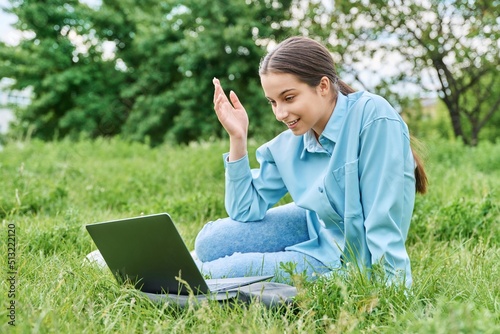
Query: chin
{"points": [[298, 132]]}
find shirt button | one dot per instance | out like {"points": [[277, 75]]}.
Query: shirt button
{"points": [[320, 189]]}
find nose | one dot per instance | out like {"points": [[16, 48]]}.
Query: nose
{"points": [[280, 113]]}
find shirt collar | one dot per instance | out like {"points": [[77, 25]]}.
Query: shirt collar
{"points": [[332, 128]]}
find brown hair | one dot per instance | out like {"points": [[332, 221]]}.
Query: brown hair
{"points": [[306, 58], [310, 61], [420, 175]]}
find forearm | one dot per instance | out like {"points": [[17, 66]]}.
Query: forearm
{"points": [[250, 193], [242, 200]]}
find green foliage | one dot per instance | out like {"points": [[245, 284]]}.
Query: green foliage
{"points": [[51, 190], [156, 83], [463, 204], [144, 69], [448, 46], [428, 122], [111, 175], [463, 219], [178, 58], [74, 90], [345, 304]]}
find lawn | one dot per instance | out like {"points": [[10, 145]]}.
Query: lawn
{"points": [[49, 191]]}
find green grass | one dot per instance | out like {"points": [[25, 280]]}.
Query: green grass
{"points": [[49, 191]]}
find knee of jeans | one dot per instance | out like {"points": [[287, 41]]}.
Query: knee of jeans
{"points": [[200, 237], [203, 243]]}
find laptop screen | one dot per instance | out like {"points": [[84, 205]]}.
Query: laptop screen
{"points": [[149, 252]]}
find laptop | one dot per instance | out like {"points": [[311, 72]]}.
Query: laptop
{"points": [[149, 252]]}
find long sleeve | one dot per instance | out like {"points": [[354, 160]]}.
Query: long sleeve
{"points": [[251, 192], [387, 191]]}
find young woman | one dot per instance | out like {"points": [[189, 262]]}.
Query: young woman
{"points": [[345, 160]]}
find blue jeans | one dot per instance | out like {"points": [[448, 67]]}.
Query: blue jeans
{"points": [[228, 248]]}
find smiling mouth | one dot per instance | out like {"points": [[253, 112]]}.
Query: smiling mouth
{"points": [[292, 123]]}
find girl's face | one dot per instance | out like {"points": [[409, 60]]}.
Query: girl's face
{"points": [[298, 105]]}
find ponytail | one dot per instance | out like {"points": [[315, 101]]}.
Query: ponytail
{"points": [[345, 88], [420, 174]]}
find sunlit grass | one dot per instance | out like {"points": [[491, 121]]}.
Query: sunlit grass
{"points": [[51, 190]]}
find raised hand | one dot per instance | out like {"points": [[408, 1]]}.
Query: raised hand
{"points": [[231, 114]]}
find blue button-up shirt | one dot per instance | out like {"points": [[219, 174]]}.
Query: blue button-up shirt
{"points": [[356, 182]]}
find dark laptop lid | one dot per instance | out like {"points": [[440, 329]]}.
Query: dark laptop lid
{"points": [[149, 251]]}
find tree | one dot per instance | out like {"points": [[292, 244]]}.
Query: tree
{"points": [[454, 41], [176, 50], [74, 89], [140, 68]]}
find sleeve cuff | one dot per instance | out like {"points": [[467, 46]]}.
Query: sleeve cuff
{"points": [[236, 169]]}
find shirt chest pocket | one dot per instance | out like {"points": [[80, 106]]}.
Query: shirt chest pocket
{"points": [[342, 186]]}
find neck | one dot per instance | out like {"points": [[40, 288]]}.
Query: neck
{"points": [[329, 108]]}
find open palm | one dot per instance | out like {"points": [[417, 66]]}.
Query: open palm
{"points": [[231, 114]]}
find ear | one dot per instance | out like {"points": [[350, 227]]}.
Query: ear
{"points": [[324, 86]]}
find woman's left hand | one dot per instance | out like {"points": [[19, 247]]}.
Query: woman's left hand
{"points": [[231, 114]]}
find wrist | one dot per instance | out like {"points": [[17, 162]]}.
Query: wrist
{"points": [[237, 148]]}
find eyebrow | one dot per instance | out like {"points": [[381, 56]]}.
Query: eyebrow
{"points": [[283, 92]]}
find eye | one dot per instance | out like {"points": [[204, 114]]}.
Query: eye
{"points": [[273, 103], [289, 98]]}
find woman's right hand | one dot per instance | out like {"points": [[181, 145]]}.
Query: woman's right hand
{"points": [[231, 114]]}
